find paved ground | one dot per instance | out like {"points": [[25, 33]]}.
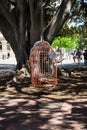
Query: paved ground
{"points": [[13, 61], [8, 61], [52, 114], [45, 111]]}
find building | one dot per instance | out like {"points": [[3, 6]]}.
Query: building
{"points": [[5, 49]]}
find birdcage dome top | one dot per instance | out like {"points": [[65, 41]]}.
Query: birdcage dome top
{"points": [[39, 43]]}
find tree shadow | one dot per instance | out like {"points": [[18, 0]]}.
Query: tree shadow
{"points": [[18, 113], [77, 119], [74, 86], [25, 107], [43, 113]]}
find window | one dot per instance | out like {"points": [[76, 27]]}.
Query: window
{"points": [[0, 46], [8, 46]]}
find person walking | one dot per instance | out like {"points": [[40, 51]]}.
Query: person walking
{"points": [[78, 55], [74, 56], [85, 56]]}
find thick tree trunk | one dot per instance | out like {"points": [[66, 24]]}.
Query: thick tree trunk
{"points": [[22, 55], [35, 13]]}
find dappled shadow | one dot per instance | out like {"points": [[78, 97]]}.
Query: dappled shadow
{"points": [[67, 86], [77, 85], [16, 113], [46, 113], [76, 116], [25, 107]]}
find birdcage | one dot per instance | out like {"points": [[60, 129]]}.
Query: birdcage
{"points": [[43, 65]]}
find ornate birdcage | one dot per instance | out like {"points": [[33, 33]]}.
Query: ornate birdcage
{"points": [[43, 65]]}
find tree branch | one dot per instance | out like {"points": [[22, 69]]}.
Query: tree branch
{"points": [[12, 2], [9, 16], [58, 20], [8, 32]]}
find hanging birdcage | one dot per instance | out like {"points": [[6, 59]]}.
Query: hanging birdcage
{"points": [[43, 65]]}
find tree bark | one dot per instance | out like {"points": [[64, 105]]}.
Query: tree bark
{"points": [[21, 10], [35, 13]]}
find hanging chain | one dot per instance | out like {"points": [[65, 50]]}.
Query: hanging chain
{"points": [[42, 15]]}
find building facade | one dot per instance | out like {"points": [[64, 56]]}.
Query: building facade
{"points": [[5, 49]]}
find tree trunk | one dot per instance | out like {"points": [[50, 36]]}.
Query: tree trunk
{"points": [[22, 55], [35, 13]]}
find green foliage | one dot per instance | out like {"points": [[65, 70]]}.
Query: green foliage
{"points": [[83, 43], [66, 42], [56, 42]]}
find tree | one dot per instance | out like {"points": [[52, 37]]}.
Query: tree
{"points": [[21, 24], [75, 25], [66, 42]]}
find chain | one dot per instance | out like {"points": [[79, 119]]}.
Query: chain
{"points": [[42, 15]]}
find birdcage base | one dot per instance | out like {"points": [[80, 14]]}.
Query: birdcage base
{"points": [[44, 82]]}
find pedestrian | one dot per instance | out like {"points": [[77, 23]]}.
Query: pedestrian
{"points": [[74, 56], [85, 56], [78, 55], [8, 55]]}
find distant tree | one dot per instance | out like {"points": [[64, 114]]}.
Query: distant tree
{"points": [[71, 42]]}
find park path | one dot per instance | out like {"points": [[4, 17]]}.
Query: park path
{"points": [[47, 112]]}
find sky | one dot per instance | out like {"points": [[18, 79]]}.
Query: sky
{"points": [[85, 1]]}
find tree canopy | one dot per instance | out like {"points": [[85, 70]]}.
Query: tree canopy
{"points": [[75, 26]]}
